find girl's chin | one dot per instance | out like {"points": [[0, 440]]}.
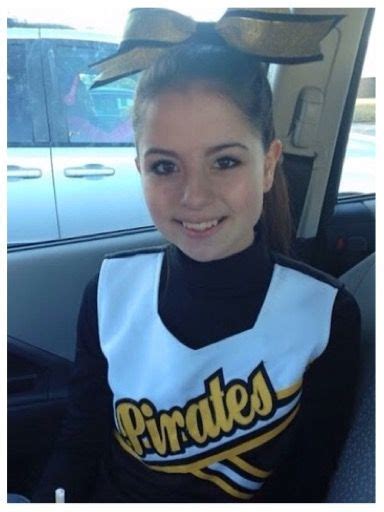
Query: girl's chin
{"points": [[206, 245]]}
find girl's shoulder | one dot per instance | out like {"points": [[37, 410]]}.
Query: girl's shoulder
{"points": [[305, 268], [135, 252], [346, 308]]}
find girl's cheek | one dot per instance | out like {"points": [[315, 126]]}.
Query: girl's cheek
{"points": [[158, 197]]}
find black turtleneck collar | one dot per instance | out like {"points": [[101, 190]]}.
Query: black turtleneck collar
{"points": [[242, 273], [203, 303]]}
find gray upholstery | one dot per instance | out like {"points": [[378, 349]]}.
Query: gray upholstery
{"points": [[360, 281], [354, 480]]}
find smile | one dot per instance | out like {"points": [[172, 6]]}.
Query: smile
{"points": [[201, 226], [204, 229]]}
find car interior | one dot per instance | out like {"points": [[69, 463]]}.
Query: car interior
{"points": [[335, 232]]}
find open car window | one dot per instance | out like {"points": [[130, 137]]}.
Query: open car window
{"points": [[358, 173]]}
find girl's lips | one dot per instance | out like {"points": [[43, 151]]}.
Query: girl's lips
{"points": [[201, 226], [201, 229]]}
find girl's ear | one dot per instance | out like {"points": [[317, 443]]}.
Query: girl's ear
{"points": [[271, 160]]}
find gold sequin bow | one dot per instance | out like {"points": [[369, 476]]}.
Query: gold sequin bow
{"points": [[273, 35]]}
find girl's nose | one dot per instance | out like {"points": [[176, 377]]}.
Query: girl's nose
{"points": [[197, 190]]}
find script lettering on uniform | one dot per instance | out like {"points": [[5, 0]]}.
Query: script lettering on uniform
{"points": [[218, 412]]}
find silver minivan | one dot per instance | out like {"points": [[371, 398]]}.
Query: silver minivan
{"points": [[71, 169]]}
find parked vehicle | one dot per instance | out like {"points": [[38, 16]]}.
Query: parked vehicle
{"points": [[74, 196], [71, 169]]}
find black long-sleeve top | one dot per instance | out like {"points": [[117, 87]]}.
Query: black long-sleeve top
{"points": [[200, 304]]}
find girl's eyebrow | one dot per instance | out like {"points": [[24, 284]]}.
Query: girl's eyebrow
{"points": [[210, 151], [166, 152], [220, 147]]}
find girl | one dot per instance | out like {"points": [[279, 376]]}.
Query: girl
{"points": [[212, 369]]}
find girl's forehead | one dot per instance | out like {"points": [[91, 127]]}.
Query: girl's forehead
{"points": [[193, 124], [200, 91], [195, 104]]}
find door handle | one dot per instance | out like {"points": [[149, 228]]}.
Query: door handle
{"points": [[14, 172], [89, 171]]}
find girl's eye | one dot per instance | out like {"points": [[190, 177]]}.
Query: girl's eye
{"points": [[226, 162], [163, 167]]}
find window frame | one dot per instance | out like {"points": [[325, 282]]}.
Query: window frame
{"points": [[332, 197]]}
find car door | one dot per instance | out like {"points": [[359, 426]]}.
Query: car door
{"points": [[29, 169], [314, 106], [347, 231], [93, 149]]}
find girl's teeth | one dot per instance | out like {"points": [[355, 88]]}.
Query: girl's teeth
{"points": [[202, 226]]}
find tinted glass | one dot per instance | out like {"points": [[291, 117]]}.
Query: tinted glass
{"points": [[101, 115], [19, 105]]}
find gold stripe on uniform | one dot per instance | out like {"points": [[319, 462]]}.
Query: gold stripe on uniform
{"points": [[230, 453], [248, 468], [223, 485], [285, 393]]}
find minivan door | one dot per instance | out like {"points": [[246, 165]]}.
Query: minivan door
{"points": [[96, 182]]}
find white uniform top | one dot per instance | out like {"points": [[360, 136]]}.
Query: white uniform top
{"points": [[200, 411]]}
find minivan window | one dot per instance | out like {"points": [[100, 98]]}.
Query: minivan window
{"points": [[19, 122], [92, 116]]}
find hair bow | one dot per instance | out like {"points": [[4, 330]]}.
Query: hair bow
{"points": [[269, 34]]}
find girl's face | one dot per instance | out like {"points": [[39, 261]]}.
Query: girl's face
{"points": [[204, 172]]}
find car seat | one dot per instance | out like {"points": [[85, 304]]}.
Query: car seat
{"points": [[354, 479]]}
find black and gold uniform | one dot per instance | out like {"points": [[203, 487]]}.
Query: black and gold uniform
{"points": [[231, 380]]}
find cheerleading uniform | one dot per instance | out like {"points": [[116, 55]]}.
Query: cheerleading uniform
{"points": [[230, 380]]}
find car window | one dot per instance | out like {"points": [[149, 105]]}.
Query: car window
{"points": [[92, 116], [92, 186], [19, 101], [358, 174]]}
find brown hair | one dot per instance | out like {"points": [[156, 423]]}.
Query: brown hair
{"points": [[242, 78]]}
